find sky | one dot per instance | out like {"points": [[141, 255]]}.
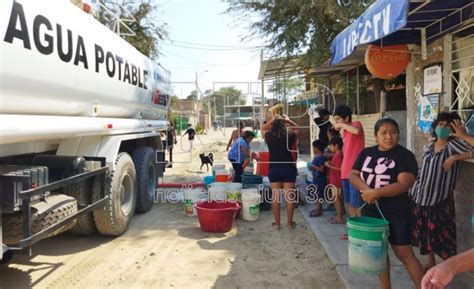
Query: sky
{"points": [[202, 24]]}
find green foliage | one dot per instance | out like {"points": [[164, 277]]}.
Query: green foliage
{"points": [[174, 100], [287, 86], [224, 96], [199, 129], [148, 31], [193, 95], [298, 26]]}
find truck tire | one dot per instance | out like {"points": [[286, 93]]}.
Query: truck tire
{"points": [[113, 219], [43, 215], [147, 178], [82, 192]]}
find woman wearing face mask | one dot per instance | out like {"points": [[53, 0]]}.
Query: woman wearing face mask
{"points": [[433, 191]]}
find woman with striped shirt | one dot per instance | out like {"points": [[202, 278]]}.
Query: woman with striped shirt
{"points": [[433, 191]]}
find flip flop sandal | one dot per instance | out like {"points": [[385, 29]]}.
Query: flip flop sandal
{"points": [[344, 237], [336, 222], [275, 226], [315, 214]]}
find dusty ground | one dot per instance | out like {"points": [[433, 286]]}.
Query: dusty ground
{"points": [[166, 249]]}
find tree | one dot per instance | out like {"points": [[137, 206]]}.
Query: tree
{"points": [[193, 95], [298, 26], [287, 86], [224, 96], [148, 31]]}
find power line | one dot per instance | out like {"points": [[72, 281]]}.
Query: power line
{"points": [[209, 49], [213, 45], [250, 60]]}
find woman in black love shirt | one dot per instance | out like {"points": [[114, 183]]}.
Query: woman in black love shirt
{"points": [[384, 173]]}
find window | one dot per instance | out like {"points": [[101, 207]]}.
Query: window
{"points": [[462, 74]]}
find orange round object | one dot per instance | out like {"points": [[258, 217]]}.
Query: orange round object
{"points": [[86, 7], [388, 62]]}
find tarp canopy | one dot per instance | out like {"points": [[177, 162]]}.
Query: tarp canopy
{"points": [[389, 22]]}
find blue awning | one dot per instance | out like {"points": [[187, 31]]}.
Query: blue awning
{"points": [[400, 22]]}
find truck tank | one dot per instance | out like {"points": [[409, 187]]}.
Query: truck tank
{"points": [[56, 60]]}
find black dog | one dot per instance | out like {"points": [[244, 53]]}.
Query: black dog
{"points": [[205, 160]]}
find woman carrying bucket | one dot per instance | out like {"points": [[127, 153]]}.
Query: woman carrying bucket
{"points": [[383, 174], [281, 138]]}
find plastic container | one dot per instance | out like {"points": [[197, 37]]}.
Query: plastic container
{"points": [[367, 245], [222, 178], [250, 206], [216, 217], [234, 191], [209, 180], [250, 179], [263, 164], [217, 167], [266, 201], [248, 167], [191, 196], [217, 184], [217, 193]]}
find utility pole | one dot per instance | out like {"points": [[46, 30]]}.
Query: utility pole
{"points": [[197, 96]]}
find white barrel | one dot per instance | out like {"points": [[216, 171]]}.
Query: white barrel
{"points": [[234, 191], [217, 193], [191, 196], [250, 206]]}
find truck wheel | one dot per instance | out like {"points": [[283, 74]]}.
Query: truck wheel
{"points": [[113, 219], [43, 215], [147, 177], [82, 192]]}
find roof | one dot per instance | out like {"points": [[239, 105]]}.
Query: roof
{"points": [[281, 66]]}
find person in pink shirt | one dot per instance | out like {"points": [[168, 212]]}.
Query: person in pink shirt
{"points": [[354, 142]]}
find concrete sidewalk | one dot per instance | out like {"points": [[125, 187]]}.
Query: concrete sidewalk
{"points": [[337, 251]]}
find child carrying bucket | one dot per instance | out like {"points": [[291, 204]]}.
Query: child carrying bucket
{"points": [[384, 173]]}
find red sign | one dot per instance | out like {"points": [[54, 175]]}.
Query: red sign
{"points": [[388, 62]]}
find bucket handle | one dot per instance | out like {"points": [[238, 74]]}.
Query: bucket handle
{"points": [[378, 208]]}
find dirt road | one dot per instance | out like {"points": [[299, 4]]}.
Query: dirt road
{"points": [[165, 249]]}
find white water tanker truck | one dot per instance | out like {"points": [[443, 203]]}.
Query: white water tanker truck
{"points": [[81, 112]]}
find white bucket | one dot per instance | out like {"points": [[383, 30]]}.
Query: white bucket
{"points": [[250, 206], [217, 193], [217, 167], [217, 185], [191, 196], [234, 191]]}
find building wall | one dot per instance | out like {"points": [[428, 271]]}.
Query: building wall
{"points": [[439, 52]]}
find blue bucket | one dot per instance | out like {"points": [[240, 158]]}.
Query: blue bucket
{"points": [[209, 180]]}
